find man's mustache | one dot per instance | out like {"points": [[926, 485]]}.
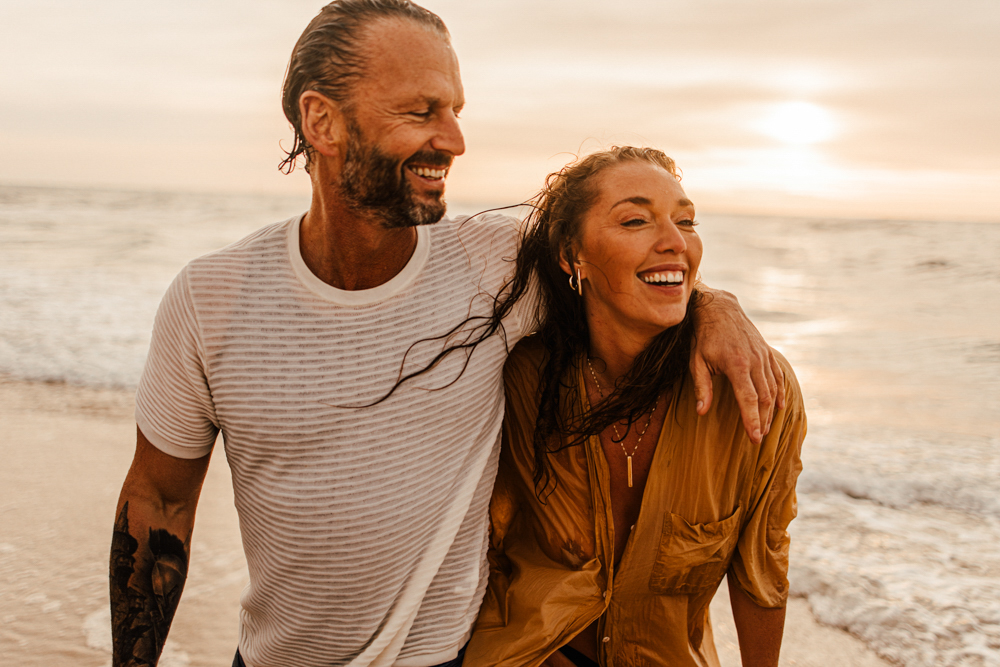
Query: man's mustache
{"points": [[431, 159]]}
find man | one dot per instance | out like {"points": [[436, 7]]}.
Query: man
{"points": [[363, 520]]}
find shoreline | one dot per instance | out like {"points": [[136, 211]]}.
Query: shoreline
{"points": [[67, 450]]}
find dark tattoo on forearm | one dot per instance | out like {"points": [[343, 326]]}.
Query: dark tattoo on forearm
{"points": [[146, 585]]}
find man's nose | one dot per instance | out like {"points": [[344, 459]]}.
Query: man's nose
{"points": [[449, 138]]}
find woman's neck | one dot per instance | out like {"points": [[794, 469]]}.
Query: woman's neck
{"points": [[615, 345]]}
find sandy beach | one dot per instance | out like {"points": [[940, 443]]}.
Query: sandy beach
{"points": [[66, 450]]}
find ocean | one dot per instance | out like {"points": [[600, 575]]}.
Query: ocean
{"points": [[893, 328]]}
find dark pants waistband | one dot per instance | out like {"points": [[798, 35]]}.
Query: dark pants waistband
{"points": [[577, 658]]}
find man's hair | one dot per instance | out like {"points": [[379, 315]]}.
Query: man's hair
{"points": [[328, 57]]}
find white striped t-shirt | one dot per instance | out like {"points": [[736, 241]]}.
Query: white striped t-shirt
{"points": [[364, 527]]}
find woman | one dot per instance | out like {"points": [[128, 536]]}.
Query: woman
{"points": [[617, 510]]}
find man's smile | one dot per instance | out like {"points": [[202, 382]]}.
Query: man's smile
{"points": [[428, 173]]}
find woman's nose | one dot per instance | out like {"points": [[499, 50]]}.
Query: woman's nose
{"points": [[670, 239]]}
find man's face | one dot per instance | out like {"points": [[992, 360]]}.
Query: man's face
{"points": [[375, 182], [402, 128]]}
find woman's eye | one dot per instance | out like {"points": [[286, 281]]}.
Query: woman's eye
{"points": [[634, 222], [688, 223]]}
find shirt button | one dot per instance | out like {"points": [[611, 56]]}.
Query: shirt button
{"points": [[605, 594], [606, 640]]}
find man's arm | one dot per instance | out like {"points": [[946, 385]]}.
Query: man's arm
{"points": [[150, 549], [759, 629], [727, 342]]}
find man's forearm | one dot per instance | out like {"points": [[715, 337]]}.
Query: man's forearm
{"points": [[727, 343], [148, 569]]}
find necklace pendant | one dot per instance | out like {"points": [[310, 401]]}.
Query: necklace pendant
{"points": [[629, 459]]}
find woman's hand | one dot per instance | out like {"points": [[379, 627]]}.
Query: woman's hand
{"points": [[727, 342]]}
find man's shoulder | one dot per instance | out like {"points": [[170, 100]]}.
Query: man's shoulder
{"points": [[259, 257], [256, 246], [486, 228]]}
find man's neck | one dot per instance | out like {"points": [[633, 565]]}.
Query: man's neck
{"points": [[349, 252]]}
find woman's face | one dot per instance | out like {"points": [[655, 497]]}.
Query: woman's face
{"points": [[638, 252]]}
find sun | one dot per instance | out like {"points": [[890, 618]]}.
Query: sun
{"points": [[797, 123]]}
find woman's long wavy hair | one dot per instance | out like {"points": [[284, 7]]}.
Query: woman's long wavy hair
{"points": [[553, 230]]}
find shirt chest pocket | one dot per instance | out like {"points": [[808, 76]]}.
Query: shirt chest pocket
{"points": [[693, 557]]}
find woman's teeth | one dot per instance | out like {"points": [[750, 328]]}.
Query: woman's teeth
{"points": [[433, 174], [667, 277]]}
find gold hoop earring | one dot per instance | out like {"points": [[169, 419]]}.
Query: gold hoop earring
{"points": [[574, 282]]}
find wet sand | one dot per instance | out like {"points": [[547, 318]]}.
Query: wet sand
{"points": [[66, 451]]}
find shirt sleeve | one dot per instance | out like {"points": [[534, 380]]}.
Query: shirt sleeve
{"points": [[496, 238], [173, 405], [526, 313], [760, 563]]}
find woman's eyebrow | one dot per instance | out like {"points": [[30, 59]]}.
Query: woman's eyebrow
{"points": [[643, 201]]}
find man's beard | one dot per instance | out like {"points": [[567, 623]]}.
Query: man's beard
{"points": [[373, 182]]}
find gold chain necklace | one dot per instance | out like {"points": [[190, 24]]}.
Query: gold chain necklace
{"points": [[621, 441]]}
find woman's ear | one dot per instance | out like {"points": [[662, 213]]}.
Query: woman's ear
{"points": [[569, 260], [564, 262], [323, 123]]}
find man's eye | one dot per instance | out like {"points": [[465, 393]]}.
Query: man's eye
{"points": [[421, 114]]}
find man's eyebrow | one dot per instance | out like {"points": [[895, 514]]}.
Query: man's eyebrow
{"points": [[433, 102]]}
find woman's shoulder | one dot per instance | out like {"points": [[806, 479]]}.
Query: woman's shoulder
{"points": [[793, 392], [723, 390], [724, 412], [524, 364]]}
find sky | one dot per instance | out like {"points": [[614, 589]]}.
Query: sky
{"points": [[850, 108]]}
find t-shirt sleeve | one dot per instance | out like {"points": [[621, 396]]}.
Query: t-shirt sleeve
{"points": [[526, 314], [496, 239], [760, 563], [173, 405]]}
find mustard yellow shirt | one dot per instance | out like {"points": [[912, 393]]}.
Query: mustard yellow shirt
{"points": [[714, 503]]}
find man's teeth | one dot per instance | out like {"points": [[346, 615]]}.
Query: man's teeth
{"points": [[669, 277], [429, 173]]}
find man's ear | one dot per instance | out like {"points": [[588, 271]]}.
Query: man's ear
{"points": [[323, 123]]}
